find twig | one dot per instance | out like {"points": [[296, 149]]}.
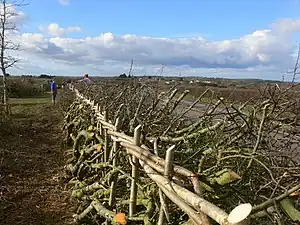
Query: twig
{"points": [[269, 202]]}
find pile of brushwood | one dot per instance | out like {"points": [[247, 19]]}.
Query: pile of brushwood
{"points": [[242, 152]]}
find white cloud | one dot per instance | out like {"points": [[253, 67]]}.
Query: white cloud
{"points": [[261, 48], [13, 15], [261, 53], [64, 2], [54, 29], [286, 26]]}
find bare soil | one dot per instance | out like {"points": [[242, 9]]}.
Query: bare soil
{"points": [[33, 189]]}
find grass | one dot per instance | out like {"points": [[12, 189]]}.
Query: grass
{"points": [[31, 165], [27, 106], [30, 101]]}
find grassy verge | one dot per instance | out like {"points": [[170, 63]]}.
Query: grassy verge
{"points": [[32, 187]]}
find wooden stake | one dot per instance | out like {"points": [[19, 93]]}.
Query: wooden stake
{"points": [[155, 147], [113, 186], [106, 150], [163, 200], [134, 173]]}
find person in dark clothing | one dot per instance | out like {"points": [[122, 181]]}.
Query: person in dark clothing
{"points": [[53, 90]]}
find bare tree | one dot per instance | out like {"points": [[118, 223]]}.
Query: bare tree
{"points": [[130, 73], [295, 72], [7, 27]]}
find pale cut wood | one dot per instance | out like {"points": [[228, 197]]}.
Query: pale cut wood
{"points": [[155, 147], [104, 212], [194, 200], [160, 163], [119, 139], [173, 196], [113, 186], [114, 153], [134, 173], [121, 135], [163, 200], [106, 150], [239, 214]]}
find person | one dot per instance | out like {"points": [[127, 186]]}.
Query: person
{"points": [[53, 90], [86, 79]]}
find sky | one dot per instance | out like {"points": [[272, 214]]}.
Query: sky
{"points": [[217, 38]]}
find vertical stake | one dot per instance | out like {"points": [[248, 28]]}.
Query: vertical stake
{"points": [[163, 200], [114, 154], [106, 150], [114, 182], [134, 173]]}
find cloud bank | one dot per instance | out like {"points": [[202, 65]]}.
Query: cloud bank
{"points": [[54, 29], [268, 51]]}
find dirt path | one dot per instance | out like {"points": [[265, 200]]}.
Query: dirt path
{"points": [[32, 187]]}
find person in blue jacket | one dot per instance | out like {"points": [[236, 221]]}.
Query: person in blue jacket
{"points": [[53, 90]]}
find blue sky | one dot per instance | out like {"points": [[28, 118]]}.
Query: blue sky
{"points": [[213, 22], [216, 19]]}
